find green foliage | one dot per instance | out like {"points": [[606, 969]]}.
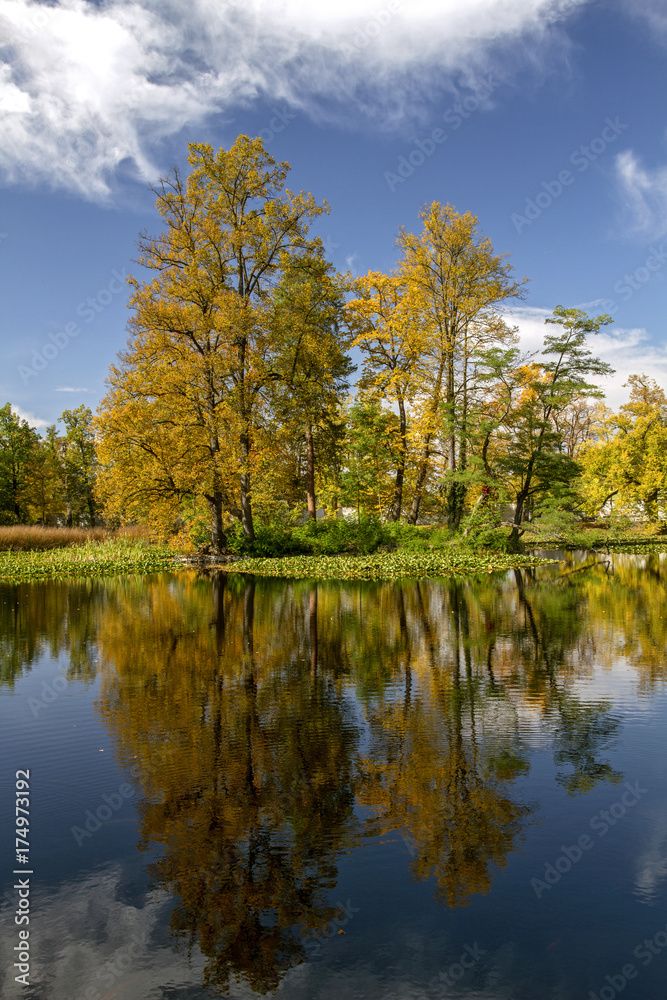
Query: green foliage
{"points": [[47, 480], [387, 565], [554, 523], [327, 537], [269, 540], [78, 466], [18, 442], [492, 539], [362, 535], [110, 558], [373, 446], [410, 537]]}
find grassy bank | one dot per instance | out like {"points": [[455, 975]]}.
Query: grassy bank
{"points": [[387, 565], [333, 550], [120, 555]]}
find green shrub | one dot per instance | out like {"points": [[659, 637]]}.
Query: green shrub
{"points": [[270, 540], [493, 540], [362, 535]]}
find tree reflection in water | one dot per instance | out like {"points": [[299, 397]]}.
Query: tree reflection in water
{"points": [[273, 726]]}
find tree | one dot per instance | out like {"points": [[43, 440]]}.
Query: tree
{"points": [[458, 281], [310, 367], [536, 456], [373, 443], [387, 331], [44, 480], [628, 464], [197, 365], [18, 443], [79, 465]]}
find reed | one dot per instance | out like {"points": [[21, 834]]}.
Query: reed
{"points": [[35, 538]]}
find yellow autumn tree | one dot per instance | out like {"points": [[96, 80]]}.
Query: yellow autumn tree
{"points": [[457, 282], [384, 319], [184, 414], [627, 465]]}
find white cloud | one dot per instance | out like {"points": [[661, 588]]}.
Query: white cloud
{"points": [[88, 87], [628, 351], [69, 388], [651, 865], [87, 936], [653, 12], [35, 422], [644, 195]]}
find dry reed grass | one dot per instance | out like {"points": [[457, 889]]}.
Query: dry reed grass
{"points": [[34, 537]]}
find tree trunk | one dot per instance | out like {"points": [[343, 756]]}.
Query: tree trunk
{"points": [[218, 538], [423, 471], [15, 491], [397, 502], [459, 490], [524, 493], [419, 486], [522, 496], [453, 490], [246, 503], [91, 509], [310, 474]]}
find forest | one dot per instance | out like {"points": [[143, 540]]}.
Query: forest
{"points": [[263, 393]]}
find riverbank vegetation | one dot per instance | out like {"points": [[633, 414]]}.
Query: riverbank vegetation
{"points": [[387, 566], [109, 557], [260, 388]]}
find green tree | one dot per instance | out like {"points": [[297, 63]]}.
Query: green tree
{"points": [[18, 444], [45, 479], [536, 455], [373, 443], [79, 466]]}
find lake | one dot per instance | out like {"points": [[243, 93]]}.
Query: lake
{"points": [[241, 786]]}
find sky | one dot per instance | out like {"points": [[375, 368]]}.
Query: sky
{"points": [[547, 119]]}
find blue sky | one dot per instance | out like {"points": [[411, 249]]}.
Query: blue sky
{"points": [[545, 118]]}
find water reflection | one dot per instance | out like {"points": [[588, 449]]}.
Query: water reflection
{"points": [[274, 727]]}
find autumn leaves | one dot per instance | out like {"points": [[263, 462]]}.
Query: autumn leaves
{"points": [[231, 401]]}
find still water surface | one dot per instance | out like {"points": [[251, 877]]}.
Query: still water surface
{"points": [[435, 789]]}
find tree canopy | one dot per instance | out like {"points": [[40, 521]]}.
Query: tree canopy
{"points": [[237, 401]]}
